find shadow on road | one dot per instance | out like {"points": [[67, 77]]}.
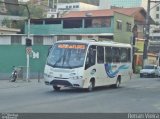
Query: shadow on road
{"points": [[79, 90]]}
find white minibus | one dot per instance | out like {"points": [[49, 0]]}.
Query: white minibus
{"points": [[87, 64]]}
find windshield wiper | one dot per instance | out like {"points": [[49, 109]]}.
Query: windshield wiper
{"points": [[62, 57]]}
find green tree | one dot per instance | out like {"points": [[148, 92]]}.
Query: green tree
{"points": [[6, 22], [36, 11], [13, 24]]}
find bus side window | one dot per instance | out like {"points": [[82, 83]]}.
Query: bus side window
{"points": [[116, 54], [108, 54], [124, 55], [129, 55], [100, 54], [91, 57]]}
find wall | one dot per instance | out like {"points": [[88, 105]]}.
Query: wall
{"points": [[15, 55], [122, 35]]}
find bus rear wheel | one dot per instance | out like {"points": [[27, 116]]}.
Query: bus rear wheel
{"points": [[56, 88]]}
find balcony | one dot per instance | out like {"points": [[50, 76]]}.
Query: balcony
{"points": [[57, 29]]}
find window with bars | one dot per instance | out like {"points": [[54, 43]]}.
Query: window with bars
{"points": [[16, 40], [79, 37], [38, 40], [63, 38]]}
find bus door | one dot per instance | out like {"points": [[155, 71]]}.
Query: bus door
{"points": [[100, 66], [90, 69]]}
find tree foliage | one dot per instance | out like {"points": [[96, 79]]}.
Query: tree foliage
{"points": [[13, 23], [6, 22]]}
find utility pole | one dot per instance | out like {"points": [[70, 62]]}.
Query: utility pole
{"points": [[135, 35], [27, 54]]}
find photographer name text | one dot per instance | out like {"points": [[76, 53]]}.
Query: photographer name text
{"points": [[143, 116]]}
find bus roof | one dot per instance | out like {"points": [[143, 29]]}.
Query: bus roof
{"points": [[93, 42]]}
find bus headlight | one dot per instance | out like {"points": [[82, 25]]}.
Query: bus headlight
{"points": [[48, 76]]}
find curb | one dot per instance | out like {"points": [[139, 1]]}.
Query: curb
{"points": [[6, 84]]}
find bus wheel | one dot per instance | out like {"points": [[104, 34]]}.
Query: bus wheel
{"points": [[56, 88], [91, 86], [118, 82]]}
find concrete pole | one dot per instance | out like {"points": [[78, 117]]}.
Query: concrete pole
{"points": [[27, 55]]}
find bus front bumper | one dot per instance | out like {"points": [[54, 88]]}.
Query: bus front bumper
{"points": [[66, 83]]}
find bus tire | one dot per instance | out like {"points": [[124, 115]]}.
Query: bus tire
{"points": [[118, 82], [56, 88], [91, 85]]}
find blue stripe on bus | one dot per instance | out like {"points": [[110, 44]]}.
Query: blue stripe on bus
{"points": [[110, 73]]}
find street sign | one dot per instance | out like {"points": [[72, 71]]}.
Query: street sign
{"points": [[28, 50]]}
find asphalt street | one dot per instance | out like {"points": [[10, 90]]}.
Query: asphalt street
{"points": [[136, 95]]}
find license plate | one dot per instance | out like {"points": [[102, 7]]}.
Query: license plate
{"points": [[145, 74], [60, 86]]}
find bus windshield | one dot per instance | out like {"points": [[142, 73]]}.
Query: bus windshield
{"points": [[67, 55]]}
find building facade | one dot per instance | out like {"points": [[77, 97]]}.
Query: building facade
{"points": [[114, 24], [154, 12], [123, 3], [155, 30]]}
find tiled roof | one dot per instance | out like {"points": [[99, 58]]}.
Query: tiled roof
{"points": [[93, 13], [103, 13]]}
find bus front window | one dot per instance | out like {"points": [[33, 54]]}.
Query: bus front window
{"points": [[67, 56]]}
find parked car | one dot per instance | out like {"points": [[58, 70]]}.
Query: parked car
{"points": [[150, 71]]}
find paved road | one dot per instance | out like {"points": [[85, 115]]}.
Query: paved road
{"points": [[138, 95]]}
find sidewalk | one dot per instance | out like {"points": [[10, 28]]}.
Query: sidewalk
{"points": [[5, 84]]}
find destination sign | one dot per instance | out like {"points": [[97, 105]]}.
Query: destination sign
{"points": [[72, 46]]}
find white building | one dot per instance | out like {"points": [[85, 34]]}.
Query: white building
{"points": [[23, 0], [155, 29], [65, 7]]}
